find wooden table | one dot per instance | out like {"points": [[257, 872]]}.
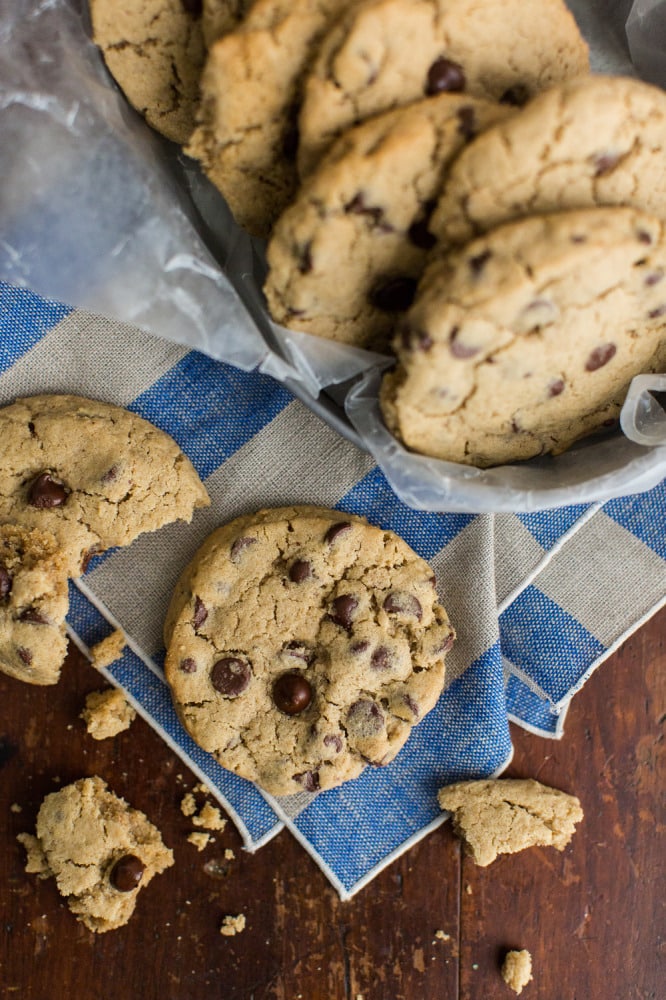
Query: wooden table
{"points": [[592, 916]]}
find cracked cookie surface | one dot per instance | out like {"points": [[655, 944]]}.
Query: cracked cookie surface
{"points": [[154, 50], [303, 644], [584, 143], [100, 851], [527, 339], [92, 474], [345, 256], [508, 815], [33, 604], [385, 53]]}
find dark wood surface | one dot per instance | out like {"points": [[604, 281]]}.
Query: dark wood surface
{"points": [[592, 916]]}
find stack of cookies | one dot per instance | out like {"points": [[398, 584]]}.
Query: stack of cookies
{"points": [[444, 180]]}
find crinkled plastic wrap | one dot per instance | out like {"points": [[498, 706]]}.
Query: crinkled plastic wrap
{"points": [[98, 211]]}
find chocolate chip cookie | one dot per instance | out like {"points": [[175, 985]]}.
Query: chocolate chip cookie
{"points": [[92, 474], [100, 851], [303, 645], [385, 53], [344, 258], [33, 604], [593, 141], [154, 49], [527, 339]]}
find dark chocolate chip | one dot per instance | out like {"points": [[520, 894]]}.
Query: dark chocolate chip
{"points": [[34, 616], [357, 648], [299, 571], [188, 665], [309, 780], [24, 654], [88, 556], [415, 340], [239, 547], [654, 278], [200, 613], [459, 350], [230, 676], [46, 492], [655, 313], [127, 873], [467, 118], [299, 650], [292, 693], [579, 238], [337, 529], [556, 387], [5, 583], [516, 95], [446, 644], [604, 163], [412, 706], [477, 263], [401, 603], [333, 741], [393, 294], [381, 659], [599, 357], [444, 75], [343, 610], [644, 237], [365, 718], [110, 475]]}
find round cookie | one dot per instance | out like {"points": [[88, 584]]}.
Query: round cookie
{"points": [[385, 53], [345, 256], [598, 140], [303, 645], [154, 49], [33, 604], [527, 339], [92, 474], [246, 126]]}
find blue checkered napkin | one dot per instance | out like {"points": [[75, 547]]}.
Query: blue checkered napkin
{"points": [[538, 600]]}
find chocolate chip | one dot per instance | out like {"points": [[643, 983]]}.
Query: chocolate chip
{"points": [[24, 654], [459, 350], [579, 238], [556, 387], [365, 718], [444, 75], [239, 547], [292, 693], [477, 263], [467, 118], [516, 95], [343, 610], [5, 583], [46, 492], [299, 571], [654, 278], [31, 428], [446, 644], [643, 236], [357, 648], [188, 665], [200, 613], [34, 616], [401, 603], [300, 650], [381, 659], [309, 780], [127, 873], [333, 741], [337, 529], [415, 340], [110, 475], [599, 357], [655, 313], [393, 294], [604, 163], [88, 556], [412, 706], [230, 676]]}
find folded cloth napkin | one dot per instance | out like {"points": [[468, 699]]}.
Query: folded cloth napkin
{"points": [[538, 600]]}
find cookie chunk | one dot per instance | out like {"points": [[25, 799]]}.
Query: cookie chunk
{"points": [[303, 645], [345, 256], [107, 713], [517, 969], [155, 52], [100, 851], [33, 604], [108, 650], [92, 474], [528, 338], [507, 815], [385, 53], [593, 141], [246, 133]]}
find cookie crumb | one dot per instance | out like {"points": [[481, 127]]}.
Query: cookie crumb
{"points": [[468, 889], [15, 807], [110, 649], [517, 969], [188, 806], [233, 925], [209, 817], [442, 936], [107, 713], [200, 840], [35, 863], [229, 854]]}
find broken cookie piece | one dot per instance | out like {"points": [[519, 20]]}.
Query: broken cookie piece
{"points": [[517, 969], [505, 816], [100, 851], [233, 925], [108, 650], [107, 713]]}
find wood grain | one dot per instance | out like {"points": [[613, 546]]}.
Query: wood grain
{"points": [[592, 916]]}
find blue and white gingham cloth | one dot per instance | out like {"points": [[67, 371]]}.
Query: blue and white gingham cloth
{"points": [[538, 600]]}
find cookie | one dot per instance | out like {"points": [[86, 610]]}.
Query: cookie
{"points": [[587, 142], [345, 256], [218, 17], [246, 133], [33, 604], [303, 645], [508, 815], [385, 53], [92, 474], [154, 50], [527, 339], [107, 713], [517, 969], [100, 851]]}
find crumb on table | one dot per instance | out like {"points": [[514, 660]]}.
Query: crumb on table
{"points": [[517, 969], [199, 839], [107, 713], [232, 925]]}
